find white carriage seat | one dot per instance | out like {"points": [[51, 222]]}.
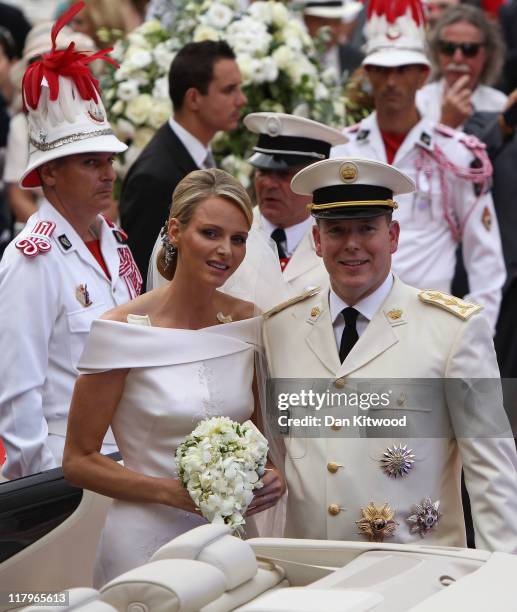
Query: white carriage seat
{"points": [[245, 576], [169, 585]]}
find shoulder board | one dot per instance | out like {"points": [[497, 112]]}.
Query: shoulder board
{"points": [[37, 240], [460, 308], [299, 298]]}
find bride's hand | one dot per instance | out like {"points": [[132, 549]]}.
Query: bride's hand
{"points": [[266, 497], [178, 497]]}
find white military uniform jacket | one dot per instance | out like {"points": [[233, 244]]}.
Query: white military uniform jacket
{"points": [[405, 339], [51, 289], [429, 229], [305, 268]]}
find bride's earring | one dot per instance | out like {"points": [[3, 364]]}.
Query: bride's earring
{"points": [[170, 250]]}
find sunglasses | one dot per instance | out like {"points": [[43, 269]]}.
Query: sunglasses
{"points": [[468, 49]]}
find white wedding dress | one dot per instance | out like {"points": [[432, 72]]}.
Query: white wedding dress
{"points": [[177, 378]]}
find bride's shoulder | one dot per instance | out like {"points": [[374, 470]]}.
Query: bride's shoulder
{"points": [[236, 308], [141, 306]]}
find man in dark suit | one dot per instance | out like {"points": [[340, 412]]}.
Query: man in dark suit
{"points": [[205, 89]]}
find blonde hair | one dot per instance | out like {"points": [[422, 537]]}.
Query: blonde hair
{"points": [[191, 191]]}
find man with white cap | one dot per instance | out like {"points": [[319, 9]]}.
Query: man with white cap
{"points": [[286, 144], [396, 369], [339, 17], [451, 170], [68, 266]]}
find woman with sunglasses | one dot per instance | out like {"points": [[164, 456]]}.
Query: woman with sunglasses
{"points": [[467, 55]]}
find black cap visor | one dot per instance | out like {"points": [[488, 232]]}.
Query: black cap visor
{"points": [[352, 212]]}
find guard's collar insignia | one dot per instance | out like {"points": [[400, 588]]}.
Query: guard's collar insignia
{"points": [[64, 242], [362, 135], [119, 237], [425, 139]]}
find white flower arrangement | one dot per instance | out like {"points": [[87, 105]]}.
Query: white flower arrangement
{"points": [[220, 464], [280, 66]]}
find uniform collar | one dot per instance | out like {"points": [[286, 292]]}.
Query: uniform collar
{"points": [[68, 240], [421, 134], [368, 306], [294, 234], [195, 147]]}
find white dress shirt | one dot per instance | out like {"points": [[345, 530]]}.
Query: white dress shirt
{"points": [[195, 147], [367, 308], [293, 234]]}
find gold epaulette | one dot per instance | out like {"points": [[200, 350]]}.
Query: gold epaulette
{"points": [[460, 308], [299, 298]]}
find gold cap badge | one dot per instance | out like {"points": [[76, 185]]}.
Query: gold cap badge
{"points": [[348, 172]]}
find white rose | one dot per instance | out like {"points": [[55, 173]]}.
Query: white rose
{"points": [[139, 58], [118, 107], [150, 27], [218, 16], [283, 57], [138, 40], [161, 88], [262, 11], [279, 14], [125, 129], [245, 63], [329, 76], [264, 70], [204, 32], [128, 90], [142, 137], [139, 108], [160, 112], [321, 92], [163, 56]]}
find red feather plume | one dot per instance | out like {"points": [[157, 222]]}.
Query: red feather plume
{"points": [[396, 8], [67, 63]]}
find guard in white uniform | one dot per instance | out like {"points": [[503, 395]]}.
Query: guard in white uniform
{"points": [[451, 170], [52, 285], [286, 144], [386, 468]]}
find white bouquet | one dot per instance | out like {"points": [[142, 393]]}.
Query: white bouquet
{"points": [[220, 464]]}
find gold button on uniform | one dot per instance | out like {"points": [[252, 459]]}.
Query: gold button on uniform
{"points": [[339, 383], [333, 467], [335, 427], [334, 509]]}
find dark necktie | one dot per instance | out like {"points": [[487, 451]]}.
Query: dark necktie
{"points": [[280, 238], [350, 335]]}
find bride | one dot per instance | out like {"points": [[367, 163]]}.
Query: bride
{"points": [[153, 368]]}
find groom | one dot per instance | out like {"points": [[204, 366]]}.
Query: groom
{"points": [[389, 480]]}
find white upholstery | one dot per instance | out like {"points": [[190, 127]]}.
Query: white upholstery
{"points": [[299, 599], [214, 545], [168, 585]]}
